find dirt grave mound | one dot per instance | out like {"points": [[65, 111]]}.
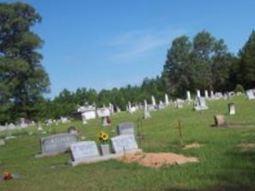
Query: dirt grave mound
{"points": [[156, 160]]}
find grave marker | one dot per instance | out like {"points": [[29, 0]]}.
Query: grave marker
{"points": [[124, 143]]}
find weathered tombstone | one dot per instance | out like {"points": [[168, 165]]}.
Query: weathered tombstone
{"points": [[56, 144], [211, 94], [153, 101], [250, 94], [124, 143], [200, 104], [206, 94], [106, 121], [231, 109], [126, 128], [219, 120], [188, 96], [146, 110], [198, 93], [166, 99], [85, 151], [72, 130], [103, 112], [2, 142]]}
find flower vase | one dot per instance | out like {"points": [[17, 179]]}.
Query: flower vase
{"points": [[105, 149]]}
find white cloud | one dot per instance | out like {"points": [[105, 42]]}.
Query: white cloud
{"points": [[140, 42]]}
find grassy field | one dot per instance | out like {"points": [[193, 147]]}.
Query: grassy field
{"points": [[222, 166]]}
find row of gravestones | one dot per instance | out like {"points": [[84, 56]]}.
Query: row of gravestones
{"points": [[87, 151]]}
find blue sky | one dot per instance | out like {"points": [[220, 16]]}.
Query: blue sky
{"points": [[111, 43]]}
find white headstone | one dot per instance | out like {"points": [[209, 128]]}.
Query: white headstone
{"points": [[188, 96], [198, 93], [166, 99], [153, 101], [206, 94]]}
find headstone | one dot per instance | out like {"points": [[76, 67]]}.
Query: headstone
{"points": [[206, 94], [219, 120], [106, 121], [211, 94], [126, 128], [188, 96], [198, 93], [166, 99], [2, 142], [103, 112], [72, 130], [200, 104], [250, 94], [58, 143], [153, 101], [84, 150], [231, 109], [124, 143], [146, 110]]}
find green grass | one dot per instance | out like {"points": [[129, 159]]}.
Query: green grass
{"points": [[222, 166]]}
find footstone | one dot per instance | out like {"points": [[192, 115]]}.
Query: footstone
{"points": [[126, 128], [56, 144]]}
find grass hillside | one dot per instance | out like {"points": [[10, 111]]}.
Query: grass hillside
{"points": [[223, 165]]}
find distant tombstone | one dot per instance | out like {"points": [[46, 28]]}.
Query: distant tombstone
{"points": [[106, 121], [211, 94], [84, 150], [126, 128], [200, 104], [250, 94], [188, 96], [103, 112], [72, 130], [206, 94], [124, 143], [166, 99], [146, 110], [153, 101], [231, 109], [58, 143], [198, 93], [2, 142], [219, 120]]}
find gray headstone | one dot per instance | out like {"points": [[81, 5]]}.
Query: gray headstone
{"points": [[124, 143], [83, 150], [126, 128], [2, 142], [58, 143]]}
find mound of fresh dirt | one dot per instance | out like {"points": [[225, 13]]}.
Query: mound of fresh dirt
{"points": [[156, 160], [191, 146]]}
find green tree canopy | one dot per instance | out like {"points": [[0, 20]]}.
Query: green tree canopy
{"points": [[22, 77]]}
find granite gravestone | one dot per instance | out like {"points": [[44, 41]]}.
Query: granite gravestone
{"points": [[58, 143], [84, 150], [231, 109], [124, 143], [126, 128]]}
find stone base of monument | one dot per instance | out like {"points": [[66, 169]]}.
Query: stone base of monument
{"points": [[88, 160]]}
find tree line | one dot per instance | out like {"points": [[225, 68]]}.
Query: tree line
{"points": [[203, 62]]}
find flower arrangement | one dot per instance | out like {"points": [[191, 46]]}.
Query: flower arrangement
{"points": [[7, 176], [103, 137]]}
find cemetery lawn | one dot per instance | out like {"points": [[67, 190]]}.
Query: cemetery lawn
{"points": [[223, 165]]}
